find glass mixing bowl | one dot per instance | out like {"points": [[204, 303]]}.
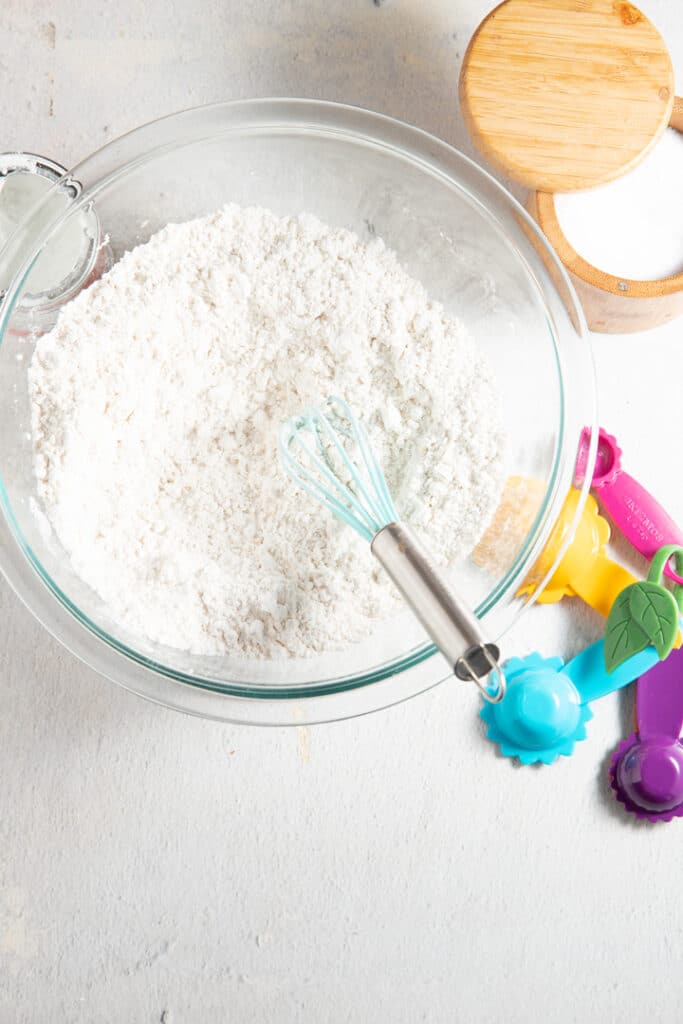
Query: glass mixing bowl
{"points": [[453, 227]]}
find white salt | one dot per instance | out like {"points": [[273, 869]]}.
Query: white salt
{"points": [[632, 227]]}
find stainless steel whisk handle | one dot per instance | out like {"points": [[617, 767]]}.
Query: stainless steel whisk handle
{"points": [[449, 621]]}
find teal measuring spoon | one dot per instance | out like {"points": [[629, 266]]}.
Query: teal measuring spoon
{"points": [[547, 703]]}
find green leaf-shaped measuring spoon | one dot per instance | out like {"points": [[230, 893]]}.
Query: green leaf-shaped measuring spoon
{"points": [[645, 613], [623, 635], [655, 611]]}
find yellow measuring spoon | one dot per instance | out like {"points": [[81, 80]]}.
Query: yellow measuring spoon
{"points": [[585, 570]]}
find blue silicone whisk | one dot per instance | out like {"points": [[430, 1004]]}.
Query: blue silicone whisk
{"points": [[326, 451]]}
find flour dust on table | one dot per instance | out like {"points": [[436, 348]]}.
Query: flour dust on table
{"points": [[156, 404]]}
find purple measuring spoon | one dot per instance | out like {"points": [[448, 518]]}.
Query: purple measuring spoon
{"points": [[646, 770], [641, 518]]}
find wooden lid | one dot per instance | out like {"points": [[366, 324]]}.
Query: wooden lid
{"points": [[566, 94]]}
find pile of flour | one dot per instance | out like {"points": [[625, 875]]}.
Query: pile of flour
{"points": [[157, 400]]}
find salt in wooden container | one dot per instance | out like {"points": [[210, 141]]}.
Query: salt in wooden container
{"points": [[564, 95]]}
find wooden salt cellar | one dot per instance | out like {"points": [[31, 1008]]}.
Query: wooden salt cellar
{"points": [[563, 95]]}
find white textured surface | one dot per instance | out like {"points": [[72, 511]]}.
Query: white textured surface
{"points": [[155, 868]]}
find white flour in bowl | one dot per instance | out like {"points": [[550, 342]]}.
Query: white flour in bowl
{"points": [[157, 400]]}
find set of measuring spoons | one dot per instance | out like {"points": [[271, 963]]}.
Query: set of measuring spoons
{"points": [[547, 703]]}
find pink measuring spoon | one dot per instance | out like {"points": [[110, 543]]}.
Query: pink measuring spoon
{"points": [[646, 770], [638, 515]]}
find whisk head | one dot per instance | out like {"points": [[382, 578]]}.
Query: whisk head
{"points": [[326, 451]]}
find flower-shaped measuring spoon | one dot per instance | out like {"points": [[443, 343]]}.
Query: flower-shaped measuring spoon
{"points": [[546, 706], [585, 570], [637, 514], [646, 771]]}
